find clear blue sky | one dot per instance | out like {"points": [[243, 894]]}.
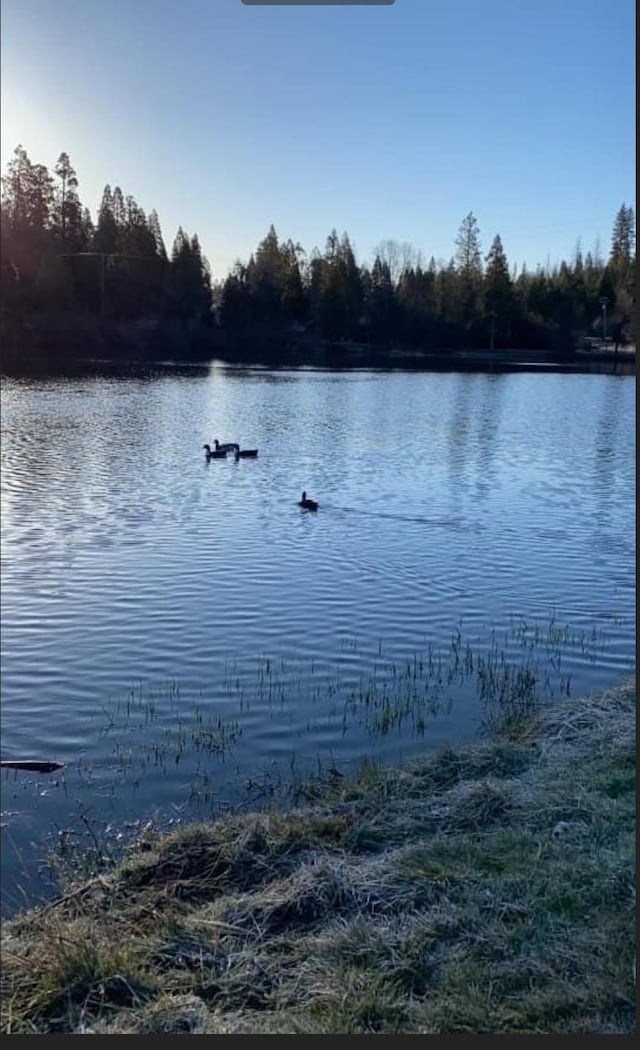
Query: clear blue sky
{"points": [[387, 122]]}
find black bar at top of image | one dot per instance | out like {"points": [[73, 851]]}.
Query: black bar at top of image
{"points": [[318, 3]]}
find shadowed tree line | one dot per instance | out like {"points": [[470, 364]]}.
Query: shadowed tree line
{"points": [[57, 260], [473, 301]]}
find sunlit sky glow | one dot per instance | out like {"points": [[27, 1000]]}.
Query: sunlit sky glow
{"points": [[387, 122]]}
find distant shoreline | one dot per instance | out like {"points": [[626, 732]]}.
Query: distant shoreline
{"points": [[53, 345]]}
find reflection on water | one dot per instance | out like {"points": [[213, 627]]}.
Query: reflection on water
{"points": [[473, 431], [611, 404], [490, 410], [448, 501], [461, 417]]}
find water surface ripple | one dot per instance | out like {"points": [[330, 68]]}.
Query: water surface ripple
{"points": [[132, 567]]}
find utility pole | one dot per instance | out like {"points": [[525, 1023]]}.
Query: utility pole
{"points": [[102, 284]]}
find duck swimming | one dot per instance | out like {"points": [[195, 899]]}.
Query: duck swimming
{"points": [[231, 446], [246, 453], [308, 504], [216, 453]]}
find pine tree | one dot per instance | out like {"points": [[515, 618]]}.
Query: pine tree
{"points": [[27, 194], [118, 208], [340, 303], [381, 307], [135, 238], [106, 233], [313, 282], [498, 285], [331, 307], [235, 302], [69, 209], [294, 301], [351, 285], [468, 266], [87, 228], [623, 236], [190, 278], [201, 280], [153, 222], [267, 277], [468, 257], [27, 200], [416, 298]]}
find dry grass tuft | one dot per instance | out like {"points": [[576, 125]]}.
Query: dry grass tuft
{"points": [[486, 889]]}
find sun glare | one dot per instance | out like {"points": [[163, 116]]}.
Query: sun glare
{"points": [[22, 125]]}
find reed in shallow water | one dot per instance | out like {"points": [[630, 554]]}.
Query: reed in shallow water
{"points": [[485, 889]]}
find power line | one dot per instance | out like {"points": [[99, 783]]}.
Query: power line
{"points": [[112, 255], [104, 256]]}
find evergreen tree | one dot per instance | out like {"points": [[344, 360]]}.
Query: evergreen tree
{"points": [[202, 280], [622, 258], [27, 195], [294, 301], [267, 278], [382, 311], [340, 304], [499, 298], [190, 278], [27, 201], [469, 266], [69, 210], [350, 286], [106, 232], [449, 293], [118, 208], [87, 229], [236, 305], [135, 237], [468, 257], [417, 302], [623, 236], [331, 307], [153, 222], [313, 281]]}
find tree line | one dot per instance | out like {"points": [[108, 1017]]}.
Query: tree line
{"points": [[55, 257], [471, 301]]}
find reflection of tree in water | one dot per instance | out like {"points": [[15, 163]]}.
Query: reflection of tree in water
{"points": [[63, 443], [489, 413], [39, 451], [605, 451], [463, 406], [475, 419]]}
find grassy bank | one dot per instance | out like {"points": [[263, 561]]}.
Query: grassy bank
{"points": [[486, 889]]}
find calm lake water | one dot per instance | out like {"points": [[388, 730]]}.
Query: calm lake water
{"points": [[185, 637]]}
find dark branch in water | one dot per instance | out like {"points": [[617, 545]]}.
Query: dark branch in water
{"points": [[33, 765]]}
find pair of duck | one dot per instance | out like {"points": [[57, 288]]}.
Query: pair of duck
{"points": [[220, 451]]}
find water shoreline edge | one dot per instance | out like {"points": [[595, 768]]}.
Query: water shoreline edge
{"points": [[487, 888]]}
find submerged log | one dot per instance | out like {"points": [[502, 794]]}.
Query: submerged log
{"points": [[33, 765]]}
